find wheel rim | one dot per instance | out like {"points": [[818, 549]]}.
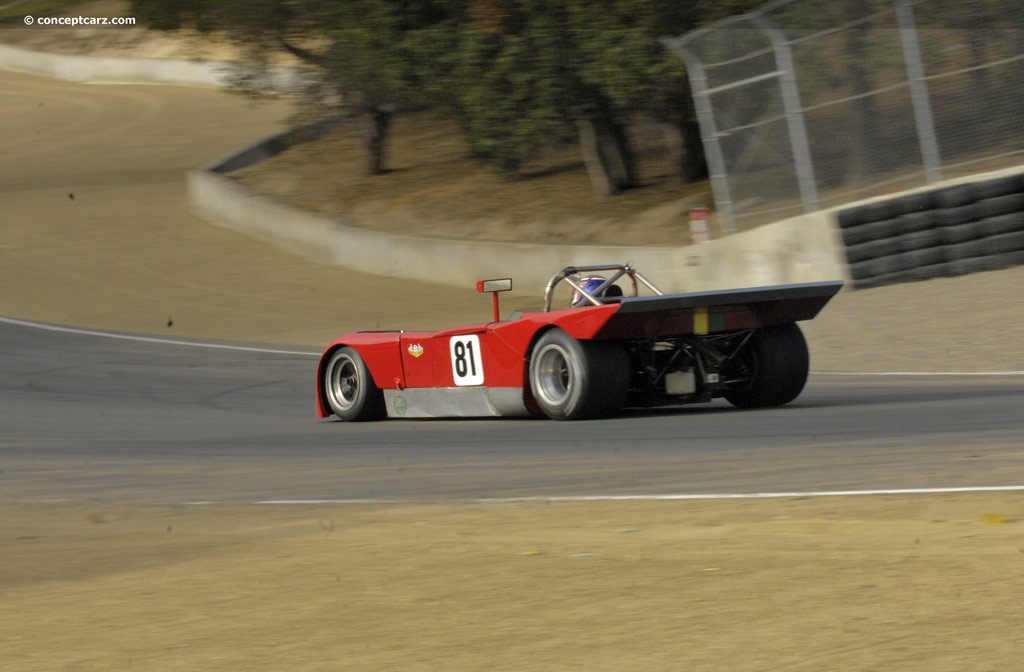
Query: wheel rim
{"points": [[552, 375], [342, 382]]}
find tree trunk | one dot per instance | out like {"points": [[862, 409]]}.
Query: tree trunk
{"points": [[677, 117], [686, 148], [607, 155], [377, 125], [694, 162]]}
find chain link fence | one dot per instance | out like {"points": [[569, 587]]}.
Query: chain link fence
{"points": [[808, 104]]}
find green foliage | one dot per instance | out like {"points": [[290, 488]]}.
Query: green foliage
{"points": [[557, 62], [515, 74], [162, 15], [515, 91]]}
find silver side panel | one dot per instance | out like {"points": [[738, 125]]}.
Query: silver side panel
{"points": [[455, 402]]}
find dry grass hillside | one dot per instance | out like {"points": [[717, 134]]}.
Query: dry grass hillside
{"points": [[433, 188]]}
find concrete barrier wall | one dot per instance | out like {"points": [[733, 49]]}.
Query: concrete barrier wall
{"points": [[802, 249], [112, 70], [807, 248]]}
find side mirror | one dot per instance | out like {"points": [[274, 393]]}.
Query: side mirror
{"points": [[501, 285], [492, 287]]}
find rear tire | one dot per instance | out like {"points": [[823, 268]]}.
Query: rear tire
{"points": [[777, 362], [348, 388], [575, 380]]}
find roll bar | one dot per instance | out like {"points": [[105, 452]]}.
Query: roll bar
{"points": [[570, 274]]}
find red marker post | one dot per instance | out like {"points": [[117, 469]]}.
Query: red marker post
{"points": [[699, 231]]}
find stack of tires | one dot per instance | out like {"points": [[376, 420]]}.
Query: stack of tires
{"points": [[946, 232]]}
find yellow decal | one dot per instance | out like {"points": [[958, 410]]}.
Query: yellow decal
{"points": [[700, 320], [416, 350]]}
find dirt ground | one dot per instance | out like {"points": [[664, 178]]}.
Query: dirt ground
{"points": [[924, 583], [95, 231], [429, 170]]}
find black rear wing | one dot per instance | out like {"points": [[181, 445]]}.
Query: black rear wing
{"points": [[718, 311]]}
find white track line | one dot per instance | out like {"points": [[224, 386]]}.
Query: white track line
{"points": [[665, 498], [153, 339], [242, 348], [918, 373]]}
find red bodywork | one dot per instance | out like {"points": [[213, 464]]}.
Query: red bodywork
{"points": [[496, 354]]}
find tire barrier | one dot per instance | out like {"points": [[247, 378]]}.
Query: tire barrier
{"points": [[956, 230]]}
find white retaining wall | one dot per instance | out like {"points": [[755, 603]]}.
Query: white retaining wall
{"points": [[802, 249], [113, 70]]}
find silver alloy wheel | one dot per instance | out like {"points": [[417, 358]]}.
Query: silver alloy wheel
{"points": [[553, 374], [342, 382], [575, 380]]}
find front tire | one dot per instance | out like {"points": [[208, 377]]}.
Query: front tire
{"points": [[775, 362], [575, 380], [348, 388]]}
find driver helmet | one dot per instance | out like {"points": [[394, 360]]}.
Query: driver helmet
{"points": [[589, 283]]}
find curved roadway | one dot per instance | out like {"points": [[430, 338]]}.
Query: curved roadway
{"points": [[95, 231], [94, 417]]}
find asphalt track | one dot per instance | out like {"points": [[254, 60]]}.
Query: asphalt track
{"points": [[85, 417], [90, 417]]}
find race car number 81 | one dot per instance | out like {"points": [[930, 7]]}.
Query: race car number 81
{"points": [[467, 367]]}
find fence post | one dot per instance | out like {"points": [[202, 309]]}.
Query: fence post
{"points": [[794, 111], [919, 92], [717, 171]]}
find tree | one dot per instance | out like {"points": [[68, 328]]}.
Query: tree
{"points": [[624, 57], [536, 70], [516, 85], [362, 55], [515, 74]]}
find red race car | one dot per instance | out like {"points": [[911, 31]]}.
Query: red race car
{"points": [[614, 347]]}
